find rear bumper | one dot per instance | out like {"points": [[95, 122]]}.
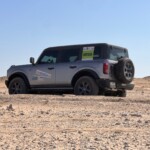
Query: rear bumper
{"points": [[129, 86], [112, 85]]}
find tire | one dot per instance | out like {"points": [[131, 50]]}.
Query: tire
{"points": [[121, 93], [86, 86], [17, 86], [124, 70]]}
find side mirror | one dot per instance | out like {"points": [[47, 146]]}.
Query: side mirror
{"points": [[32, 60]]}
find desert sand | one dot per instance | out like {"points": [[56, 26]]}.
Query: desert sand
{"points": [[69, 122]]}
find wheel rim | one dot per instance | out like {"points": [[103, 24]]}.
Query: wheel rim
{"points": [[16, 88], [84, 88], [128, 71]]}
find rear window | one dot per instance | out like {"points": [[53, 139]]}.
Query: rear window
{"points": [[117, 53], [98, 53]]}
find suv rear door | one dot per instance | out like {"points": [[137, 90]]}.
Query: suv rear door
{"points": [[67, 65]]}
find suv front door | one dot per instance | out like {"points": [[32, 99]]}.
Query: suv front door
{"points": [[43, 72]]}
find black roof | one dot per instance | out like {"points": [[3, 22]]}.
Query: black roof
{"points": [[81, 45]]}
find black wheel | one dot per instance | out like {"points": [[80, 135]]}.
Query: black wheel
{"points": [[86, 86], [121, 93], [124, 70], [17, 86]]}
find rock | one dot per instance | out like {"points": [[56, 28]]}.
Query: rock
{"points": [[80, 132], [147, 121], [42, 112], [47, 113], [136, 115], [126, 146], [10, 108], [117, 123], [96, 139], [124, 114], [22, 113], [88, 115], [139, 121], [45, 102], [105, 113]]}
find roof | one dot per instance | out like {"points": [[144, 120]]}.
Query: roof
{"points": [[81, 45]]}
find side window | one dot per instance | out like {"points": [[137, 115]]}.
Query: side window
{"points": [[98, 53], [69, 55], [48, 57]]}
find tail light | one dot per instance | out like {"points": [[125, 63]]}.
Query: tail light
{"points": [[105, 68]]}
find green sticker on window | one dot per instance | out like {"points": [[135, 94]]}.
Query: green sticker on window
{"points": [[88, 53]]}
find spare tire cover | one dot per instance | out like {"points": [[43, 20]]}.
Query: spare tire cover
{"points": [[124, 70]]}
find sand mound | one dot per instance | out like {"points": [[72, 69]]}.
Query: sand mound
{"points": [[147, 77], [2, 79]]}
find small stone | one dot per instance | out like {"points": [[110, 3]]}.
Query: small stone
{"points": [[96, 139], [126, 119], [147, 121], [47, 113], [117, 123], [88, 115], [136, 115], [105, 113], [42, 112], [1, 114], [126, 145], [139, 121], [79, 132], [45, 102], [10, 108], [21, 113], [124, 114], [54, 146]]}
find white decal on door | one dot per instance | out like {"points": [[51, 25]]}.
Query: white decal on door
{"points": [[42, 75]]}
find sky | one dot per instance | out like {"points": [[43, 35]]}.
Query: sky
{"points": [[29, 26]]}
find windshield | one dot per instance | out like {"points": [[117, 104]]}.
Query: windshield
{"points": [[117, 53]]}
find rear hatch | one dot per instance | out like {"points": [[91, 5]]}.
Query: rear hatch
{"points": [[114, 54]]}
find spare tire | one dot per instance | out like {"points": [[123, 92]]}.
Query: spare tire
{"points": [[124, 70]]}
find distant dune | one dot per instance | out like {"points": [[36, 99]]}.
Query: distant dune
{"points": [[2, 79], [147, 77]]}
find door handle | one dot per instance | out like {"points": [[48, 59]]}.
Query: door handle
{"points": [[72, 67], [51, 68]]}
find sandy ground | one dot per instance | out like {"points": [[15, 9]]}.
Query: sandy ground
{"points": [[69, 122]]}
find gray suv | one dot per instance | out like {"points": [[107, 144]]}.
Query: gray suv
{"points": [[89, 69]]}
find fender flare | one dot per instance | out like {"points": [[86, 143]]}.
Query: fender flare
{"points": [[21, 75], [85, 72]]}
